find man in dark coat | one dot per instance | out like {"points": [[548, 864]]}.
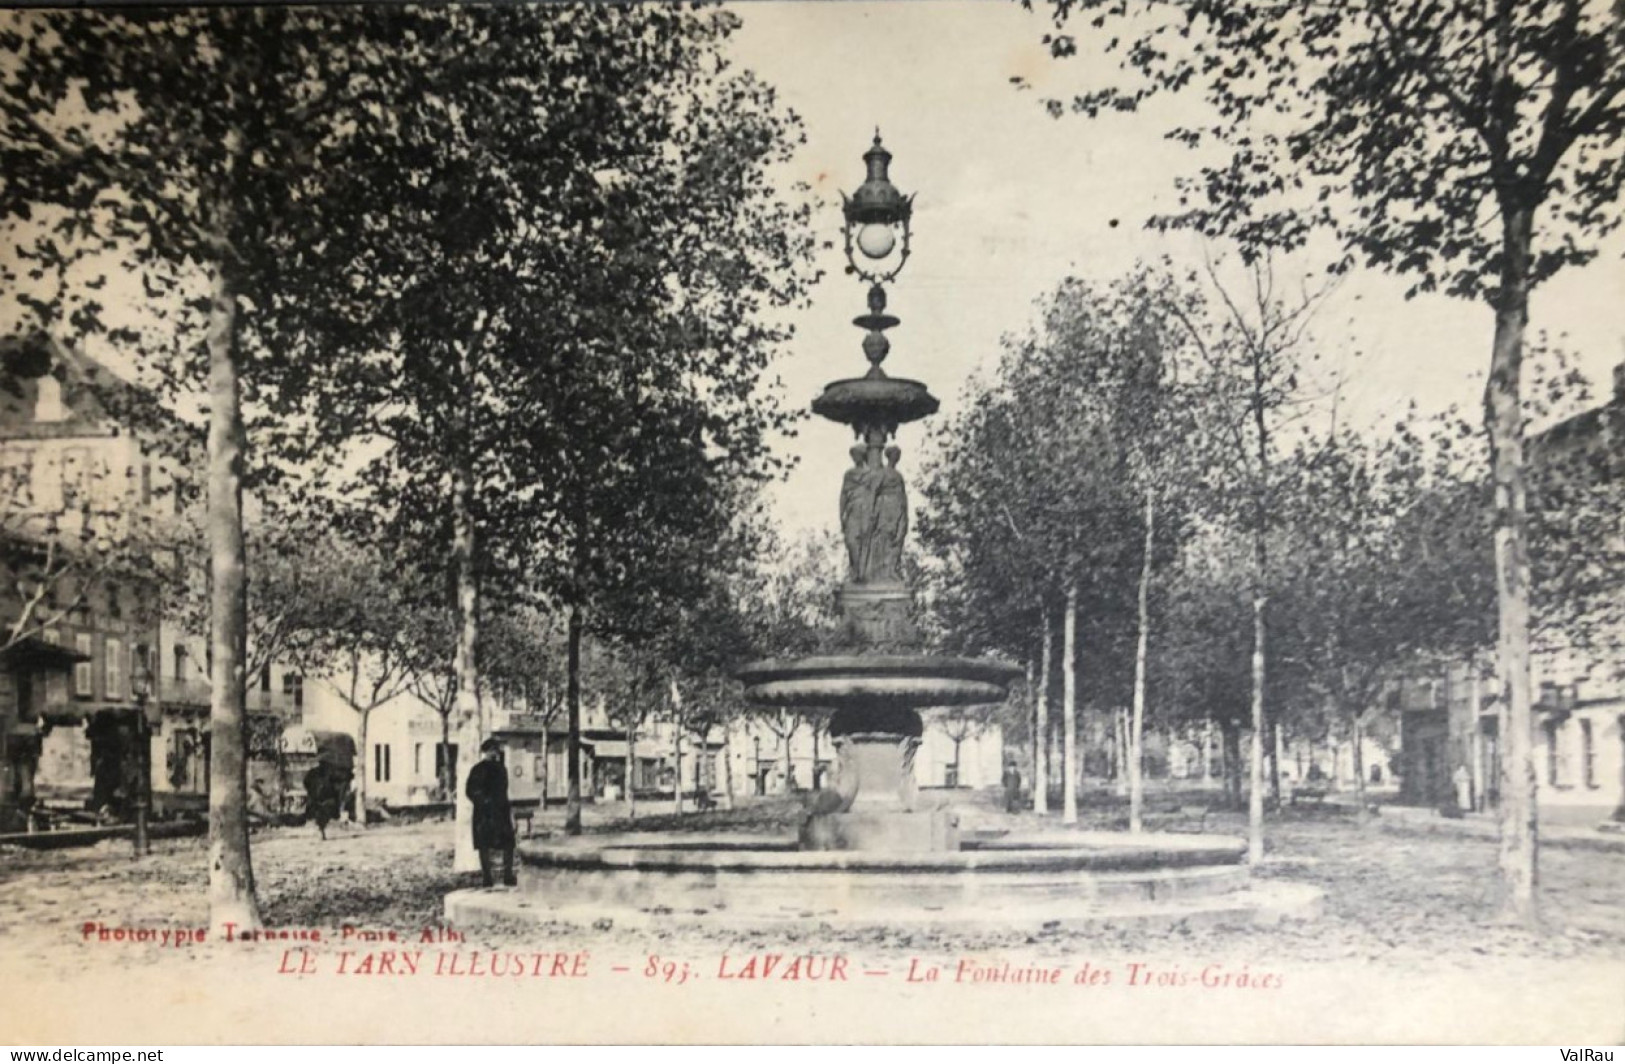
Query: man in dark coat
{"points": [[324, 792], [493, 818], [1012, 787]]}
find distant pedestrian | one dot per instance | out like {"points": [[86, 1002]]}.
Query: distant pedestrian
{"points": [[1012, 787], [493, 816], [323, 796]]}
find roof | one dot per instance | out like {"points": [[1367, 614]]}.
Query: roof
{"points": [[35, 654], [95, 400], [1599, 431]]}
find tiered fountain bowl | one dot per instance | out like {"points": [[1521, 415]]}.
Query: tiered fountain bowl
{"points": [[869, 850]]}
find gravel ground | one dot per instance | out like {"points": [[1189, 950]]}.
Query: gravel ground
{"points": [[1393, 894], [1408, 950]]}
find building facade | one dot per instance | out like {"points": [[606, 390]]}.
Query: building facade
{"points": [[1452, 749], [101, 694]]}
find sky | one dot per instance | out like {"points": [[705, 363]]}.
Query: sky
{"points": [[1010, 201]]}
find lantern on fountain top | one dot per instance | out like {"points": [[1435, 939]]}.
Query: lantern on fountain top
{"points": [[877, 221]]}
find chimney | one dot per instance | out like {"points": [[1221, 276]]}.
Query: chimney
{"points": [[1619, 383]]}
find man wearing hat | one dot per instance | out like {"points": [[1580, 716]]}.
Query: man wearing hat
{"points": [[493, 818]]}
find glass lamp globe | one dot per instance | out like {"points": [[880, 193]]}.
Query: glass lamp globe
{"points": [[876, 241]]}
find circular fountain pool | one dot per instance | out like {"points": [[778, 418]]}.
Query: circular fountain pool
{"points": [[1006, 878]]}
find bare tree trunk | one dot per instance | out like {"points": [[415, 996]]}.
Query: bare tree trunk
{"points": [[1359, 769], [448, 767], [1230, 741], [1136, 786], [1069, 709], [1275, 762], [1207, 750], [677, 746], [631, 768], [1476, 743], [361, 777], [464, 856], [815, 729], [789, 761], [1116, 743], [1041, 729], [361, 731], [544, 774], [231, 872], [1503, 415], [728, 763], [1255, 759], [1032, 718], [572, 701]]}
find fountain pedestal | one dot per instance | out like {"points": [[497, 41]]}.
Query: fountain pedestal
{"points": [[875, 790], [872, 807], [878, 614]]}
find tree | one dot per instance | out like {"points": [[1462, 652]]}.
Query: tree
{"points": [[195, 145], [1349, 606], [785, 609], [366, 615], [564, 372], [1052, 484], [962, 723], [1468, 146], [1254, 356], [522, 663]]}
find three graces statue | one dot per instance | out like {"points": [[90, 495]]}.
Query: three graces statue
{"points": [[874, 516]]}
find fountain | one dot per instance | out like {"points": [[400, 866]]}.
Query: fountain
{"points": [[870, 851]]}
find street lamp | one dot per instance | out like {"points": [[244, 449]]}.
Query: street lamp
{"points": [[141, 689], [877, 221]]}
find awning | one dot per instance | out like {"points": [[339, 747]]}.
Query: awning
{"points": [[34, 654]]}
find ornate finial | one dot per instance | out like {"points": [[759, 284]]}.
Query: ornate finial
{"points": [[877, 136]]}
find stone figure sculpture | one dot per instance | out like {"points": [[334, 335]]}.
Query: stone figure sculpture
{"points": [[858, 512], [891, 522]]}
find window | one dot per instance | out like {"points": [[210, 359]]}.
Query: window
{"points": [[53, 636], [293, 685], [115, 607], [444, 756], [113, 669], [417, 759], [1556, 763], [1588, 754], [48, 399], [84, 672], [265, 678], [180, 663], [380, 762]]}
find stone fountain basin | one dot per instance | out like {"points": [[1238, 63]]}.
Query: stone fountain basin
{"points": [[755, 878], [1069, 851], [905, 681], [1028, 880]]}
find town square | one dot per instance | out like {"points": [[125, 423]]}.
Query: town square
{"points": [[725, 516]]}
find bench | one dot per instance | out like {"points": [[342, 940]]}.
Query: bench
{"points": [[1314, 795], [1174, 817], [528, 815]]}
